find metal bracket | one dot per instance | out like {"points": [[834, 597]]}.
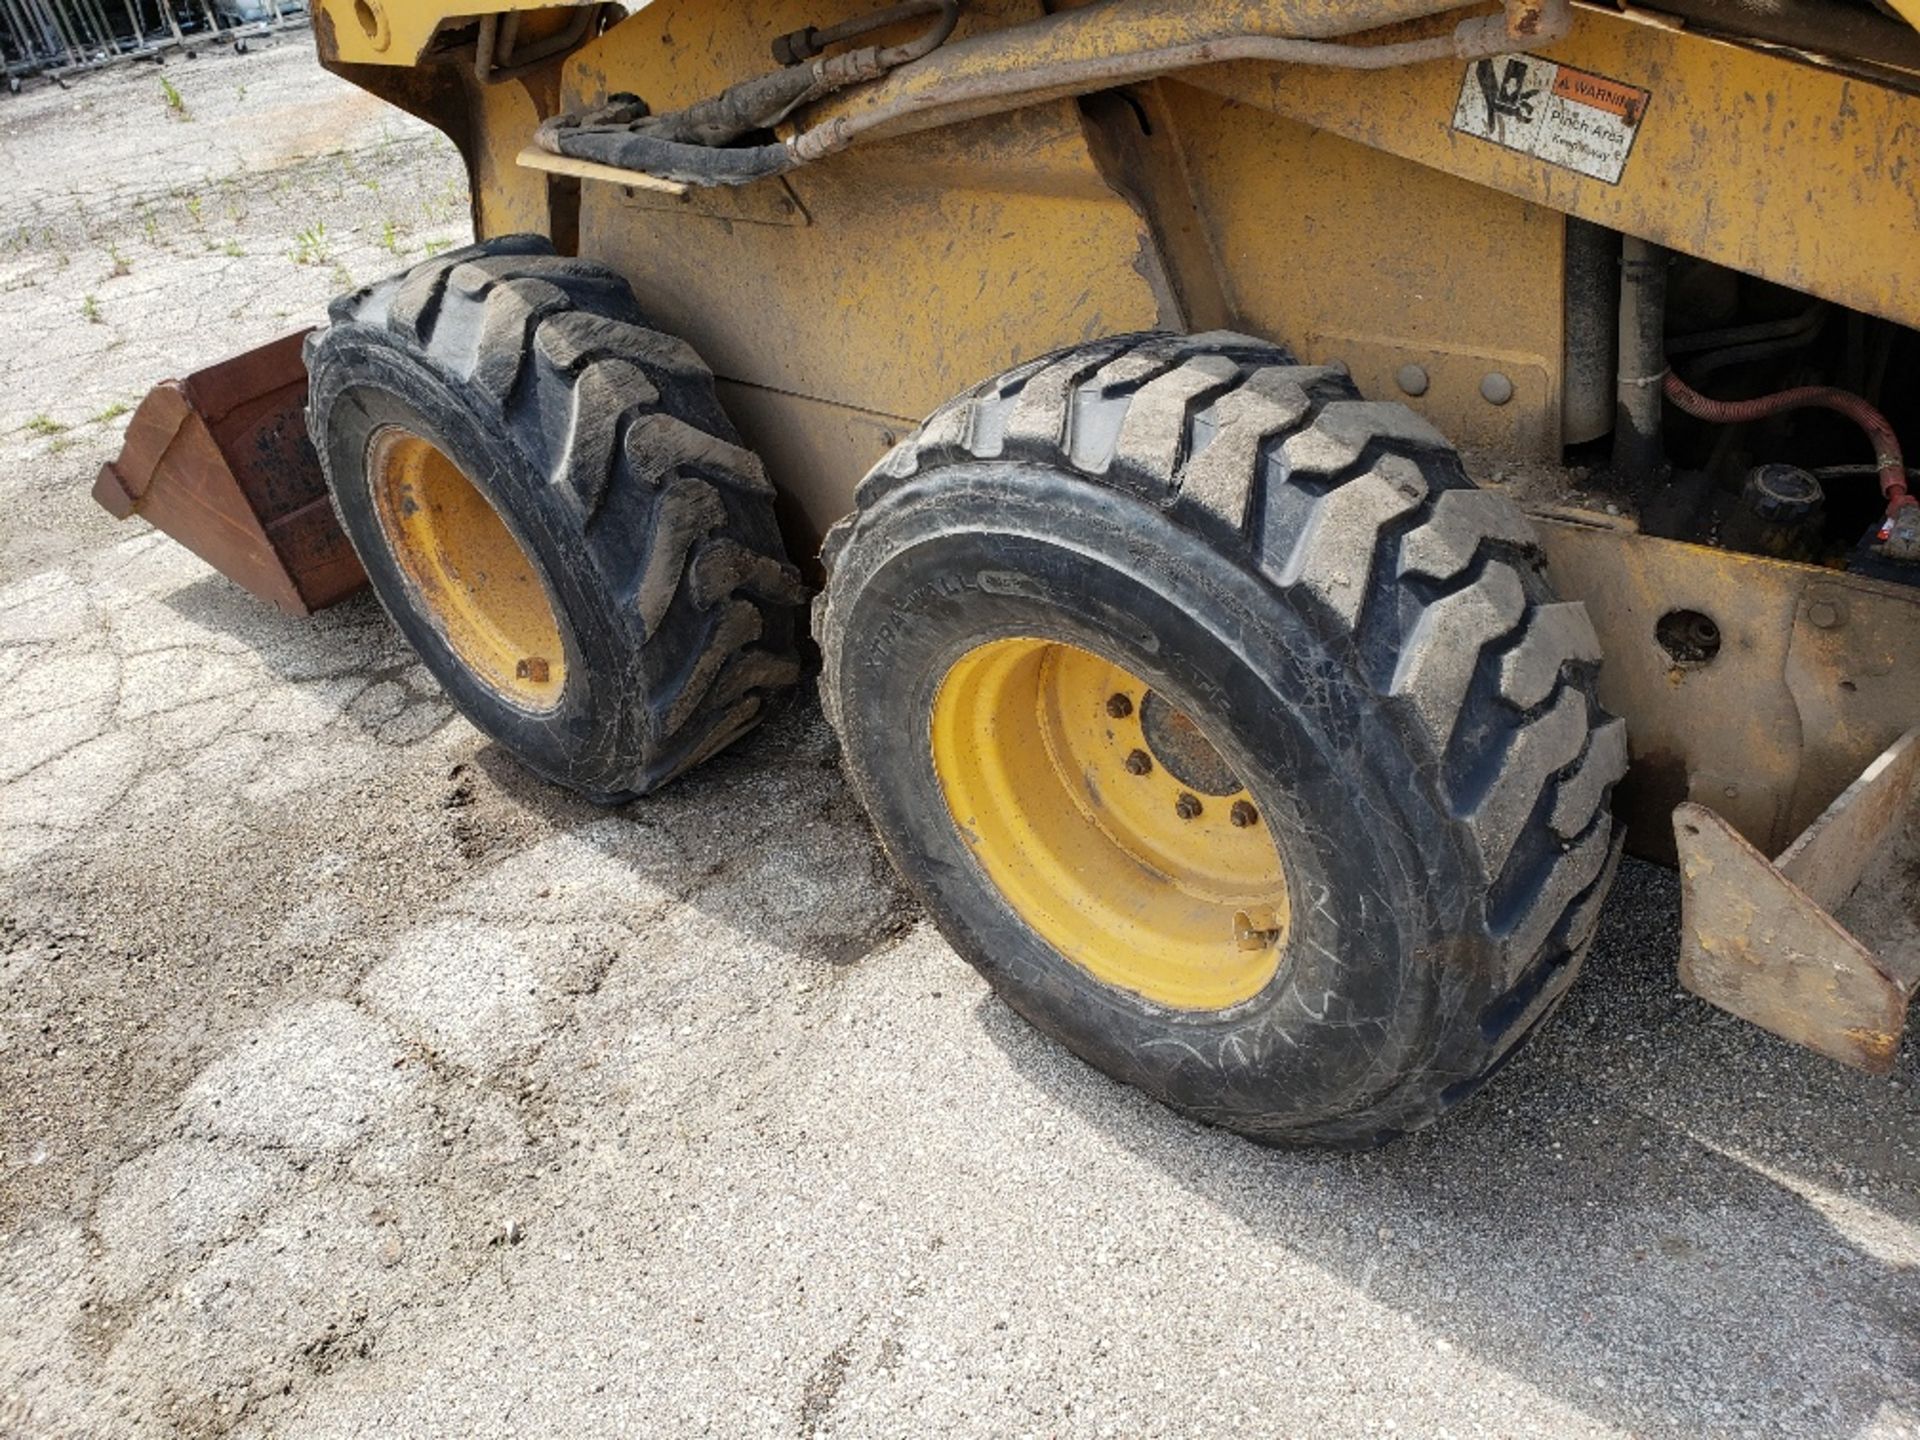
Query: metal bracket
{"points": [[1822, 945]]}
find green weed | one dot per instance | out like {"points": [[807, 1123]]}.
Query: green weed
{"points": [[310, 245]]}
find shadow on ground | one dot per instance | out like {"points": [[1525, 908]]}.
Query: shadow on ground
{"points": [[1583, 1219], [1615, 1220]]}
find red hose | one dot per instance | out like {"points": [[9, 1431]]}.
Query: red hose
{"points": [[1886, 445]]}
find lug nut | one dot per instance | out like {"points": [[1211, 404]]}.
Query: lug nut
{"points": [[1119, 706], [1243, 814], [1187, 807], [1256, 929], [1138, 763]]}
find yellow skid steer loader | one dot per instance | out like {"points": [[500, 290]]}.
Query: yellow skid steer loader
{"points": [[1276, 493]]}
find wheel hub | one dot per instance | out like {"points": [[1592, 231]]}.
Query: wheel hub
{"points": [[471, 573], [1176, 742], [1110, 823]]}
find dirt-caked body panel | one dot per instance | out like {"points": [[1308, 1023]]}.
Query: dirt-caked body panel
{"points": [[1438, 206], [1349, 214]]}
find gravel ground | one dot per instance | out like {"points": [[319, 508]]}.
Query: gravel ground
{"points": [[353, 1083]]}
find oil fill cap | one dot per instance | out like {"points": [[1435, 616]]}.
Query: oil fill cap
{"points": [[1783, 494]]}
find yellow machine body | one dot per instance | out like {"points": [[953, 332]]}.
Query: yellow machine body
{"points": [[1358, 216]]}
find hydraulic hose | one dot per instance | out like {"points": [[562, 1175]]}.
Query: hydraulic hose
{"points": [[807, 42], [1888, 460], [1090, 48], [930, 83]]}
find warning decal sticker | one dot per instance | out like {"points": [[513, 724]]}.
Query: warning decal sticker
{"points": [[1555, 113]]}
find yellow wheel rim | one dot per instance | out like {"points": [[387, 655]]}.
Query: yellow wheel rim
{"points": [[1110, 824], [472, 576]]}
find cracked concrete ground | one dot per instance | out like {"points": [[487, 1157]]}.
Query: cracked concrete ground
{"points": [[352, 1083]]}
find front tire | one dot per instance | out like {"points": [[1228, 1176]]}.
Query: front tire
{"points": [[1356, 657], [552, 506]]}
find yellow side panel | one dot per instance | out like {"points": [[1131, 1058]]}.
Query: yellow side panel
{"points": [[508, 198], [1350, 254], [396, 32], [887, 279], [1749, 158]]}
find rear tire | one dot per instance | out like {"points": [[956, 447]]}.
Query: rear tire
{"points": [[599, 445], [1363, 638]]}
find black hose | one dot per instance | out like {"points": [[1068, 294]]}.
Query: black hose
{"points": [[697, 144], [1844, 472], [1712, 362], [673, 159], [736, 111], [1807, 322]]}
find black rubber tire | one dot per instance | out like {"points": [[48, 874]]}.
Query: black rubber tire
{"points": [[603, 447], [1313, 578]]}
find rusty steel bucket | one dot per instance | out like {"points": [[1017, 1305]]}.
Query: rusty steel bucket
{"points": [[221, 462]]}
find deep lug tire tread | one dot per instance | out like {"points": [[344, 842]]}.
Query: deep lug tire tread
{"points": [[1434, 591], [660, 501]]}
